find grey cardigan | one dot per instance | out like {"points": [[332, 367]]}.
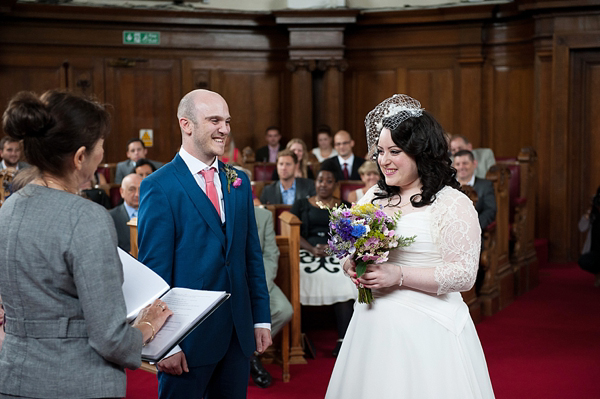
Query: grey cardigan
{"points": [[60, 281]]}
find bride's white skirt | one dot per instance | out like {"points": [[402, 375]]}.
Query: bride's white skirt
{"points": [[410, 344]]}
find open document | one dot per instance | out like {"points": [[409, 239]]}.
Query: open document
{"points": [[190, 307]]}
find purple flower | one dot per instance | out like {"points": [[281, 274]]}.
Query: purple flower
{"points": [[237, 183]]}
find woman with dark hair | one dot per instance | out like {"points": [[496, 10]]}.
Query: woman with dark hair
{"points": [[60, 273], [144, 168], [322, 281], [417, 339]]}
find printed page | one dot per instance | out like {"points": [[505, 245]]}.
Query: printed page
{"points": [[141, 285], [189, 307]]}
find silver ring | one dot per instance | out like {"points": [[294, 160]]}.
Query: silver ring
{"points": [[162, 306]]}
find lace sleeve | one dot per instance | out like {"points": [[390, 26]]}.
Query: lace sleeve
{"points": [[456, 231]]}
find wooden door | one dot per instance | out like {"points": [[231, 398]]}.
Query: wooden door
{"points": [[584, 146], [144, 94]]}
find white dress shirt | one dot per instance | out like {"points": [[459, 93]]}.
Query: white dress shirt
{"points": [[195, 166], [349, 162]]}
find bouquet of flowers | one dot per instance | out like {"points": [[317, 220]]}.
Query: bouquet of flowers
{"points": [[367, 234]]}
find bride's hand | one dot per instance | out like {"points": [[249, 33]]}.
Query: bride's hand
{"points": [[381, 276], [350, 269]]}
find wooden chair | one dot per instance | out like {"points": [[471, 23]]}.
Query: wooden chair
{"points": [[258, 186], [248, 158], [522, 218], [114, 192], [108, 170], [277, 210], [288, 279], [263, 171], [498, 289], [345, 187]]}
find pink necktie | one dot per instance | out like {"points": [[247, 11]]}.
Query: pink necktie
{"points": [[211, 190], [346, 175]]}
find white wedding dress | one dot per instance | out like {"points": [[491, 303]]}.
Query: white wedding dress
{"points": [[413, 344]]}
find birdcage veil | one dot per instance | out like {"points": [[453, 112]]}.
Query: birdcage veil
{"points": [[394, 111]]}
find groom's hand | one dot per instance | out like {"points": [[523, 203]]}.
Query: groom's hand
{"points": [[263, 339], [176, 364]]}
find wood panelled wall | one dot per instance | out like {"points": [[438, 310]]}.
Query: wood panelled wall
{"points": [[506, 76]]}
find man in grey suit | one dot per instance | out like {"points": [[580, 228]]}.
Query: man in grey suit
{"points": [[136, 150], [281, 308], [130, 191], [10, 152], [484, 156], [465, 164], [288, 188]]}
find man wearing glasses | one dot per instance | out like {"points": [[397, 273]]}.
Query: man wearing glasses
{"points": [[345, 164]]}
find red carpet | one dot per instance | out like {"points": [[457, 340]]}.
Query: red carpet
{"points": [[544, 345]]}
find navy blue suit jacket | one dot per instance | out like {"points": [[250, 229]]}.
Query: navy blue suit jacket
{"points": [[180, 237]]}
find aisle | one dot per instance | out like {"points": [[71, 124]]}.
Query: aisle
{"points": [[544, 345]]}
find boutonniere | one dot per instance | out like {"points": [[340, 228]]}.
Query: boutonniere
{"points": [[232, 177]]}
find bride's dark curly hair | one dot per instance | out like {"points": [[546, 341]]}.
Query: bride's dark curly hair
{"points": [[422, 138]]}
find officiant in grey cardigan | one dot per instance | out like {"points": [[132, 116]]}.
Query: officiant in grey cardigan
{"points": [[60, 274]]}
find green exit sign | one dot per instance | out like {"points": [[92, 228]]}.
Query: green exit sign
{"points": [[138, 37]]}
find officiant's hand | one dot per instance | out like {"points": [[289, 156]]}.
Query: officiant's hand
{"points": [[381, 276], [156, 314], [176, 364]]}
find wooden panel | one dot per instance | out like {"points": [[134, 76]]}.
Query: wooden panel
{"points": [[542, 139], [255, 103], [144, 96], [510, 123], [367, 89], [29, 73], [434, 88]]}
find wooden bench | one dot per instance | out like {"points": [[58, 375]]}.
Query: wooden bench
{"points": [[522, 218], [498, 290]]}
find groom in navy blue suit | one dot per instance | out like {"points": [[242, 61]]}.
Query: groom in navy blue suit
{"points": [[196, 238]]}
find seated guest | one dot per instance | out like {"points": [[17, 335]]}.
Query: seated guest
{"points": [[345, 165], [302, 168], [130, 191], [325, 149], [231, 154], [484, 156], [465, 164], [281, 308], [144, 168], [288, 188], [10, 151], [136, 150], [90, 191], [269, 152], [322, 281], [369, 174]]}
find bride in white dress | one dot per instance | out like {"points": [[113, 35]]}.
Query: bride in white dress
{"points": [[417, 339]]}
